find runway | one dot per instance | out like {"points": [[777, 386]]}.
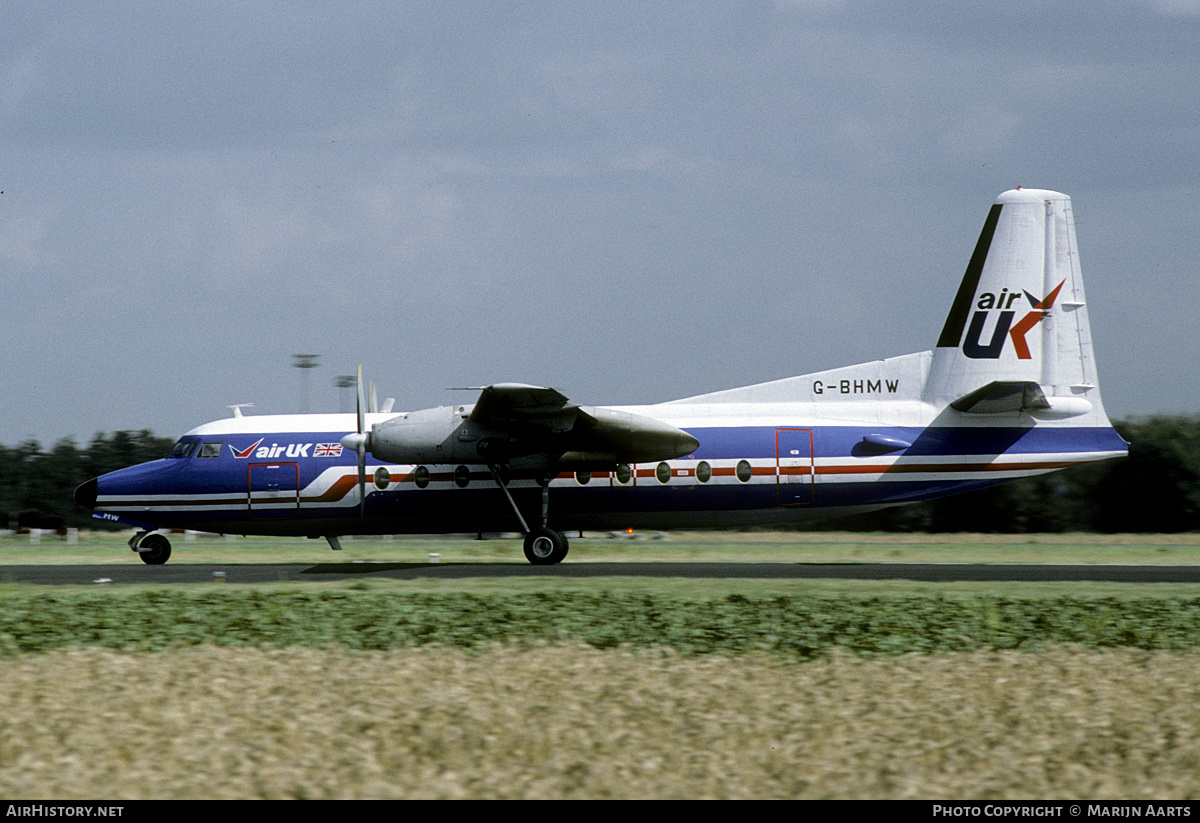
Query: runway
{"points": [[134, 573]]}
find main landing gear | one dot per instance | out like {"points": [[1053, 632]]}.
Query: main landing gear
{"points": [[154, 549], [543, 546]]}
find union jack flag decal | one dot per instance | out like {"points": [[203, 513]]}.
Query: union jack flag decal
{"points": [[328, 450]]}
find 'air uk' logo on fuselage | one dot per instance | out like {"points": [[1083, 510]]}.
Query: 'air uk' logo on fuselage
{"points": [[260, 452]]}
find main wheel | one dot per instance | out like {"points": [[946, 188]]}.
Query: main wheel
{"points": [[154, 549], [545, 547]]}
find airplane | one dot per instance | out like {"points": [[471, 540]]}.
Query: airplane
{"points": [[1010, 390]]}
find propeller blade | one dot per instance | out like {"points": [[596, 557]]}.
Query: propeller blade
{"points": [[361, 447], [360, 442], [360, 403]]}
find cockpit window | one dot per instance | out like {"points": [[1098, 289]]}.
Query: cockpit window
{"points": [[182, 449], [210, 450]]}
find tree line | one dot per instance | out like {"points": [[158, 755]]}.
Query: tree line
{"points": [[1155, 489], [37, 488]]}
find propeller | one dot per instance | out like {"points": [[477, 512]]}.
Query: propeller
{"points": [[358, 442]]}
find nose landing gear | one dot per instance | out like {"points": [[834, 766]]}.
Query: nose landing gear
{"points": [[154, 549]]}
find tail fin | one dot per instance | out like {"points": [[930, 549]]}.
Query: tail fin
{"points": [[1017, 337]]}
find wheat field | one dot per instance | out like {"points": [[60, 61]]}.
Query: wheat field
{"points": [[569, 721]]}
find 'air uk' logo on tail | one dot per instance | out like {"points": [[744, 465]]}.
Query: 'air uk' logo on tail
{"points": [[1004, 329]]}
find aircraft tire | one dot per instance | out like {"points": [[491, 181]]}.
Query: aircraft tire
{"points": [[545, 547], [154, 549]]}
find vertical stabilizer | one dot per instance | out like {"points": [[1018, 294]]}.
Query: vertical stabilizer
{"points": [[1017, 336]]}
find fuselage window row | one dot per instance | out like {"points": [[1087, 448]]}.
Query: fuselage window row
{"points": [[623, 474]]}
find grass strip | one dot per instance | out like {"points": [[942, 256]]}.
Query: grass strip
{"points": [[566, 721], [798, 626]]}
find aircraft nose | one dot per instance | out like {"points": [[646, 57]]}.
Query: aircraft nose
{"points": [[85, 495]]}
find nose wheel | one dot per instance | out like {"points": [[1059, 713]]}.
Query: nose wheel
{"points": [[153, 549], [545, 547]]}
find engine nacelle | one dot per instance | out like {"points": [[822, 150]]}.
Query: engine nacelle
{"points": [[425, 436], [599, 437], [632, 438]]}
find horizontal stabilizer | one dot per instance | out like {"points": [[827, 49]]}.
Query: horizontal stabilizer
{"points": [[1007, 397]]}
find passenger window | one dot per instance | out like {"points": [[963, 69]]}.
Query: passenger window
{"points": [[421, 477], [744, 471], [210, 450], [703, 471], [663, 472]]}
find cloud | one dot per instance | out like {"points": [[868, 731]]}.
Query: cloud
{"points": [[980, 133], [579, 192], [18, 81], [23, 237], [1176, 7]]}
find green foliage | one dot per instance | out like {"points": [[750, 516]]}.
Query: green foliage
{"points": [[37, 488], [797, 626], [1155, 489]]}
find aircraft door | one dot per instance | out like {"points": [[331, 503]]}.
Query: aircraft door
{"points": [[794, 466], [274, 490]]}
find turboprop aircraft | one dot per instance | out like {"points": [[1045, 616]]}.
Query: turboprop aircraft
{"points": [[1009, 391]]}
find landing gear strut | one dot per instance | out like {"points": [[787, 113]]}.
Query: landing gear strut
{"points": [[154, 549], [543, 546]]}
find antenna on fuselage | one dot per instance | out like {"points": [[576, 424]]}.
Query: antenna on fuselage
{"points": [[237, 408]]}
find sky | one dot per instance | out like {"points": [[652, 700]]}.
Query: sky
{"points": [[628, 201]]}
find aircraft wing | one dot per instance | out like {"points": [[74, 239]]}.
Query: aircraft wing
{"points": [[507, 405], [579, 433], [536, 425]]}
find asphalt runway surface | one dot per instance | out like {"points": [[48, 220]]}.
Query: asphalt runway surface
{"points": [[323, 572]]}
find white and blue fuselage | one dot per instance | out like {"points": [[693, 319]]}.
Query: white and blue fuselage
{"points": [[784, 466]]}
